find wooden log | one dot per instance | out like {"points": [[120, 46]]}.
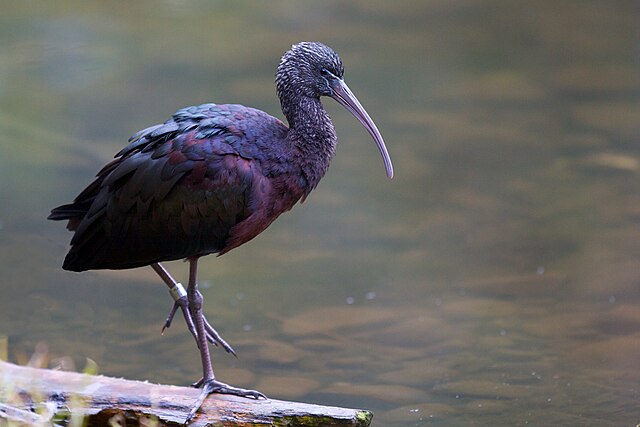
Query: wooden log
{"points": [[31, 396]]}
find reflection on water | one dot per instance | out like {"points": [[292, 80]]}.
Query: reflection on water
{"points": [[494, 281]]}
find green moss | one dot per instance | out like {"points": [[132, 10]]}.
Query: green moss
{"points": [[363, 419]]}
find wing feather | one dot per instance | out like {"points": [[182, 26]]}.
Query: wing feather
{"points": [[188, 187]]}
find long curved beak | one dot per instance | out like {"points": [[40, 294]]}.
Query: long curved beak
{"points": [[348, 100]]}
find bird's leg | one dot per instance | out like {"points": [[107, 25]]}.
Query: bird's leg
{"points": [[208, 382], [195, 309], [177, 292], [180, 301]]}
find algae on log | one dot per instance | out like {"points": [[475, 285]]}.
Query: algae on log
{"points": [[28, 395]]}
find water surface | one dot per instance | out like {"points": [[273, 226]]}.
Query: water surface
{"points": [[494, 281]]}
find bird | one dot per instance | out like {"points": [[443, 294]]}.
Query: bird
{"points": [[209, 179]]}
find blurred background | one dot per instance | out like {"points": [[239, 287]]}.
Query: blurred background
{"points": [[494, 281]]}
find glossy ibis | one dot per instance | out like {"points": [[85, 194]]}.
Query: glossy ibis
{"points": [[209, 179]]}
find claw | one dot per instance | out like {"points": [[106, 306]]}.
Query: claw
{"points": [[214, 386], [167, 323], [212, 335], [217, 338]]}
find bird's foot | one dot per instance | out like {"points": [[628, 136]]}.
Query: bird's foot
{"points": [[214, 386], [212, 335]]}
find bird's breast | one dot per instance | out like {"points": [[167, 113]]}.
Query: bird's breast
{"points": [[270, 197]]}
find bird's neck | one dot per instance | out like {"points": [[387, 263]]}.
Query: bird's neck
{"points": [[312, 133]]}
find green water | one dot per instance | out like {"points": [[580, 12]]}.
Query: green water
{"points": [[494, 281]]}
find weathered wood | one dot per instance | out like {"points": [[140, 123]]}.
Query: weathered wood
{"points": [[113, 401]]}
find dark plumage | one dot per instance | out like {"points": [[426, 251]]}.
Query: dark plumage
{"points": [[205, 181], [210, 179]]}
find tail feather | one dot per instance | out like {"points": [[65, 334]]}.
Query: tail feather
{"points": [[69, 211], [74, 212]]}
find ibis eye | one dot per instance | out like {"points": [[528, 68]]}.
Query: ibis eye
{"points": [[327, 77], [328, 74]]}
